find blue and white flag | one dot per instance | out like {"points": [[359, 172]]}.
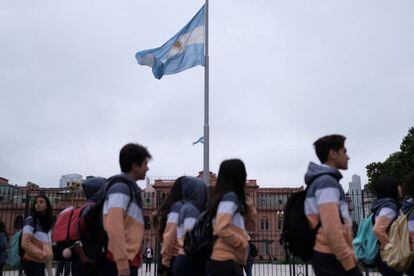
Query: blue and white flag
{"points": [[200, 140], [183, 51]]}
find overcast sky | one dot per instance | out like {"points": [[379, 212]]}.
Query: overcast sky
{"points": [[283, 73]]}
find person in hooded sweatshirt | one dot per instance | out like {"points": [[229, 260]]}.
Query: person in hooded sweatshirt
{"points": [[408, 207], [194, 201], [233, 216], [37, 237], [385, 209], [166, 223], [90, 187], [327, 210]]}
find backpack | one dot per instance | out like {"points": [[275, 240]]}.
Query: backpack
{"points": [[199, 241], [397, 252], [81, 229], [366, 244], [66, 230], [14, 252], [297, 236]]}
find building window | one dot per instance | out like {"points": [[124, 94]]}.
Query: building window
{"points": [[264, 224]]}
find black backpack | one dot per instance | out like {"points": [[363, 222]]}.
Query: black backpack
{"points": [[94, 239], [198, 243], [297, 236]]}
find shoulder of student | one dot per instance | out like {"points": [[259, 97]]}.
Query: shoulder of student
{"points": [[120, 187], [231, 196], [176, 207], [189, 211]]}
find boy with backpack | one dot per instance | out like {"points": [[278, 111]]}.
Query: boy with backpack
{"points": [[122, 214], [326, 209]]}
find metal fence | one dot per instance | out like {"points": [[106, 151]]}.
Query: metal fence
{"points": [[272, 259]]}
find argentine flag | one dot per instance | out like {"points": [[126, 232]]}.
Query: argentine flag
{"points": [[183, 51]]}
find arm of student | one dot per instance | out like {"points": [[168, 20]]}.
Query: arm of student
{"points": [[223, 230], [380, 229], [28, 246], [333, 229], [168, 242], [115, 206], [115, 230]]}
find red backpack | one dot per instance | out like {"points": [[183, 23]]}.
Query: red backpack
{"points": [[66, 231], [66, 226]]}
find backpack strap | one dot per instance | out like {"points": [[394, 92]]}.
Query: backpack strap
{"points": [[124, 180]]}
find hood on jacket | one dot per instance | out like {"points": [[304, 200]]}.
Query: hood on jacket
{"points": [[407, 204], [91, 186], [383, 202], [315, 170], [194, 191]]}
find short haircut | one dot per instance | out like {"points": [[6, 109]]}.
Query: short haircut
{"points": [[409, 185], [326, 143], [130, 154], [386, 187]]}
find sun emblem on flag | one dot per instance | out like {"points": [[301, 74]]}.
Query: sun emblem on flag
{"points": [[178, 45]]}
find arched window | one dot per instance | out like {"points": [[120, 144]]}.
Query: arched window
{"points": [[264, 223], [18, 222]]}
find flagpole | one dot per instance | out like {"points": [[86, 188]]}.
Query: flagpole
{"points": [[206, 174]]}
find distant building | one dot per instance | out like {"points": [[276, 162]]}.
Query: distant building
{"points": [[69, 180], [269, 202], [356, 196]]}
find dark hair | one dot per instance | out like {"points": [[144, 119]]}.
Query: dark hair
{"points": [[160, 217], [130, 154], [46, 219], [386, 186], [326, 143], [409, 185], [3, 229], [231, 178]]}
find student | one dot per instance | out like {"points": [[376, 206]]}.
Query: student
{"points": [[122, 214], [166, 223], [36, 237], [326, 205], [233, 214], [385, 210], [194, 201], [408, 205], [4, 244], [90, 188]]}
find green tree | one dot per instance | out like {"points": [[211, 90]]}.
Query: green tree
{"points": [[399, 164]]}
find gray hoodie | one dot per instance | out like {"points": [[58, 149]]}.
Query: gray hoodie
{"points": [[194, 199]]}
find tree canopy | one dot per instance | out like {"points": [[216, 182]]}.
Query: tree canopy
{"points": [[399, 164]]}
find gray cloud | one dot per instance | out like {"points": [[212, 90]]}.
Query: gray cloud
{"points": [[282, 75]]}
